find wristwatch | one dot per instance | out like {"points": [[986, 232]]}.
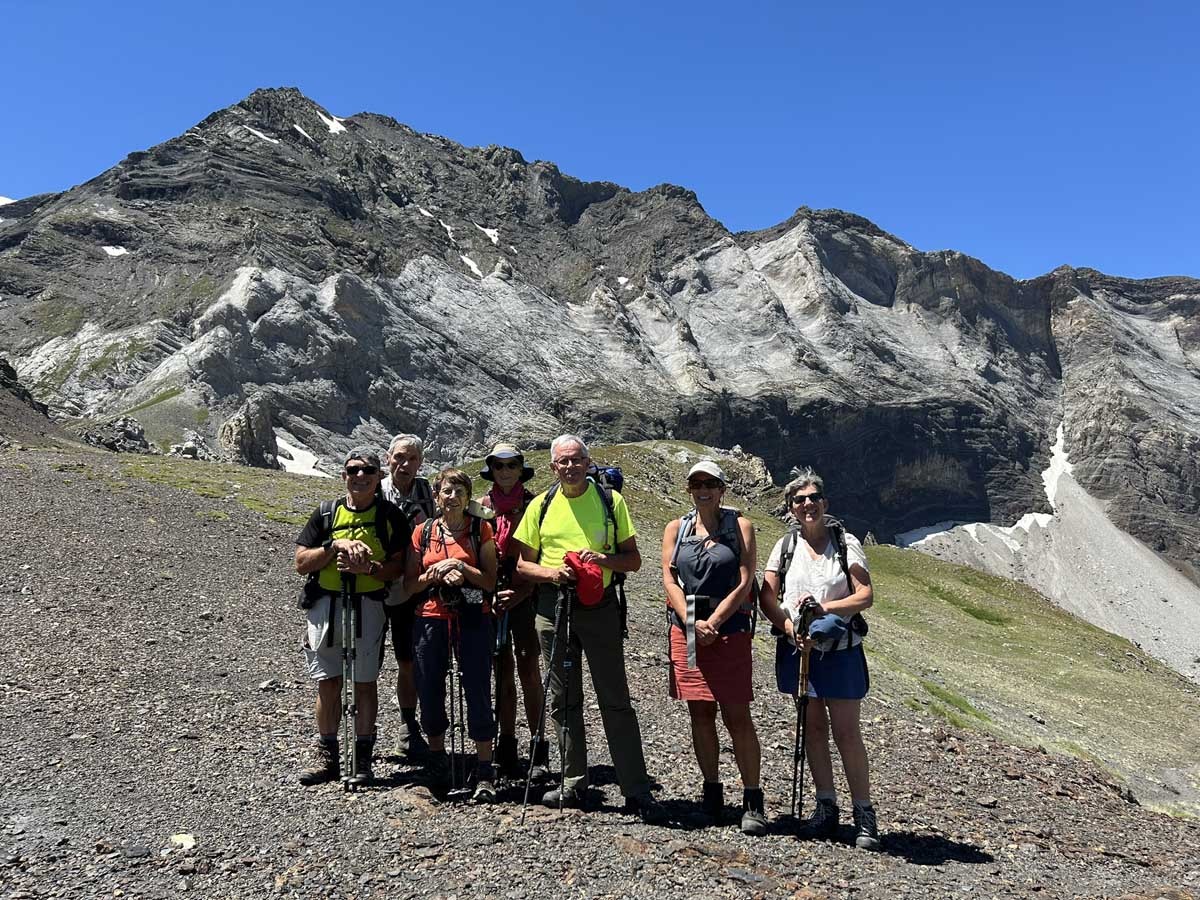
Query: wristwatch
{"points": [[374, 569]]}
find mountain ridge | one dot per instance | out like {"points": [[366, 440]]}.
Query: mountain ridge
{"points": [[183, 280]]}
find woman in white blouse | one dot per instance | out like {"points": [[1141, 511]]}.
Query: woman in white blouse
{"points": [[812, 570]]}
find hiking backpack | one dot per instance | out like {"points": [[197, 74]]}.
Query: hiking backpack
{"points": [[311, 589], [605, 483], [474, 531], [837, 533], [728, 527]]}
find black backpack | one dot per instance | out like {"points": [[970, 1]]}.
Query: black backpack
{"points": [[837, 532], [605, 490], [311, 590], [728, 527]]}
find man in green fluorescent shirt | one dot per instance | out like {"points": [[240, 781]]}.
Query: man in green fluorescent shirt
{"points": [[573, 516]]}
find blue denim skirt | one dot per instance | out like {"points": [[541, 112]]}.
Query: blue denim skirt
{"points": [[832, 675]]}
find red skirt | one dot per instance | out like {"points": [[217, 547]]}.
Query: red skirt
{"points": [[724, 669]]}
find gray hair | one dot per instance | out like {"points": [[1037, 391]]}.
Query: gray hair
{"points": [[409, 439], [564, 439], [805, 477]]}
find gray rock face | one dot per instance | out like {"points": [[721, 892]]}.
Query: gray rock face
{"points": [[247, 437], [373, 280], [121, 435]]}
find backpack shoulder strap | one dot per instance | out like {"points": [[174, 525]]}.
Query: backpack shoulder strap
{"points": [[729, 526], [837, 531], [785, 556], [426, 532], [546, 503], [476, 537], [606, 497], [687, 524]]}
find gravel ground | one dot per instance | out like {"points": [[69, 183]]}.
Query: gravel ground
{"points": [[155, 698]]}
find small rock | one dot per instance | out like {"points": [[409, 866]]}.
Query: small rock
{"points": [[988, 802]]}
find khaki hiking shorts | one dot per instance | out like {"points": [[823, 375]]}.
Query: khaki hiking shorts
{"points": [[323, 639]]}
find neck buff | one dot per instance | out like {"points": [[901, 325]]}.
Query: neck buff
{"points": [[508, 509]]}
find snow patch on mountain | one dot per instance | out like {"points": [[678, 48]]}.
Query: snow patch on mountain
{"points": [[333, 123], [4, 200], [297, 460], [303, 132], [1085, 564], [115, 251], [492, 233], [259, 134], [471, 264]]}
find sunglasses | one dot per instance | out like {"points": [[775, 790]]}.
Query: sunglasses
{"points": [[507, 464], [709, 483], [798, 499], [361, 470]]}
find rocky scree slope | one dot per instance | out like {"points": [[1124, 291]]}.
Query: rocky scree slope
{"points": [[159, 695], [351, 278]]}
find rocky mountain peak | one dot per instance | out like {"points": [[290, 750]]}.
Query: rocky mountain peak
{"points": [[363, 279]]}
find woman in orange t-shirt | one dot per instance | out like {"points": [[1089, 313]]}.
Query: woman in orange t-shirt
{"points": [[451, 574]]}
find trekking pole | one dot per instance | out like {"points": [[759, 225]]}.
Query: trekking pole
{"points": [[541, 725], [349, 666], [568, 666], [457, 739], [802, 729]]}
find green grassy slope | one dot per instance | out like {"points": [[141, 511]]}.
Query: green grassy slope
{"points": [[969, 649]]}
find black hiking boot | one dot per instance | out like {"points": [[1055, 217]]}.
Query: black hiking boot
{"points": [[364, 751], [324, 764], [754, 818], [569, 798], [866, 829], [437, 771], [824, 822], [541, 761], [712, 801], [507, 762], [646, 808]]}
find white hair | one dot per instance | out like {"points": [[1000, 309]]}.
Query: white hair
{"points": [[410, 440], [562, 440]]}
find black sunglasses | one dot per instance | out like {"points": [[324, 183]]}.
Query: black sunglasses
{"points": [[361, 470], [708, 483], [507, 464], [798, 499]]}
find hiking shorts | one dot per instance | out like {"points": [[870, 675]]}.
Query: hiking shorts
{"points": [[323, 639], [521, 630], [832, 675]]}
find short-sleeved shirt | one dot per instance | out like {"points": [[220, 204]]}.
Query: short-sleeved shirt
{"points": [[418, 503], [574, 523], [822, 577], [355, 525], [443, 545]]}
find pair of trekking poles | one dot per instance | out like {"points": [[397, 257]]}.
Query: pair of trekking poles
{"points": [[800, 633], [351, 632]]}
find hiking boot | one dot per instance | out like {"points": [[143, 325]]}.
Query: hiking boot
{"points": [[569, 798], [866, 830], [485, 784], [364, 750], [540, 755], [712, 801], [825, 820], [437, 771], [646, 808], [507, 761], [324, 765], [410, 743], [754, 819]]}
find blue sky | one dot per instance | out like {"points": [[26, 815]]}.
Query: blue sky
{"points": [[1026, 134]]}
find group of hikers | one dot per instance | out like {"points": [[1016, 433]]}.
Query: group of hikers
{"points": [[509, 585]]}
